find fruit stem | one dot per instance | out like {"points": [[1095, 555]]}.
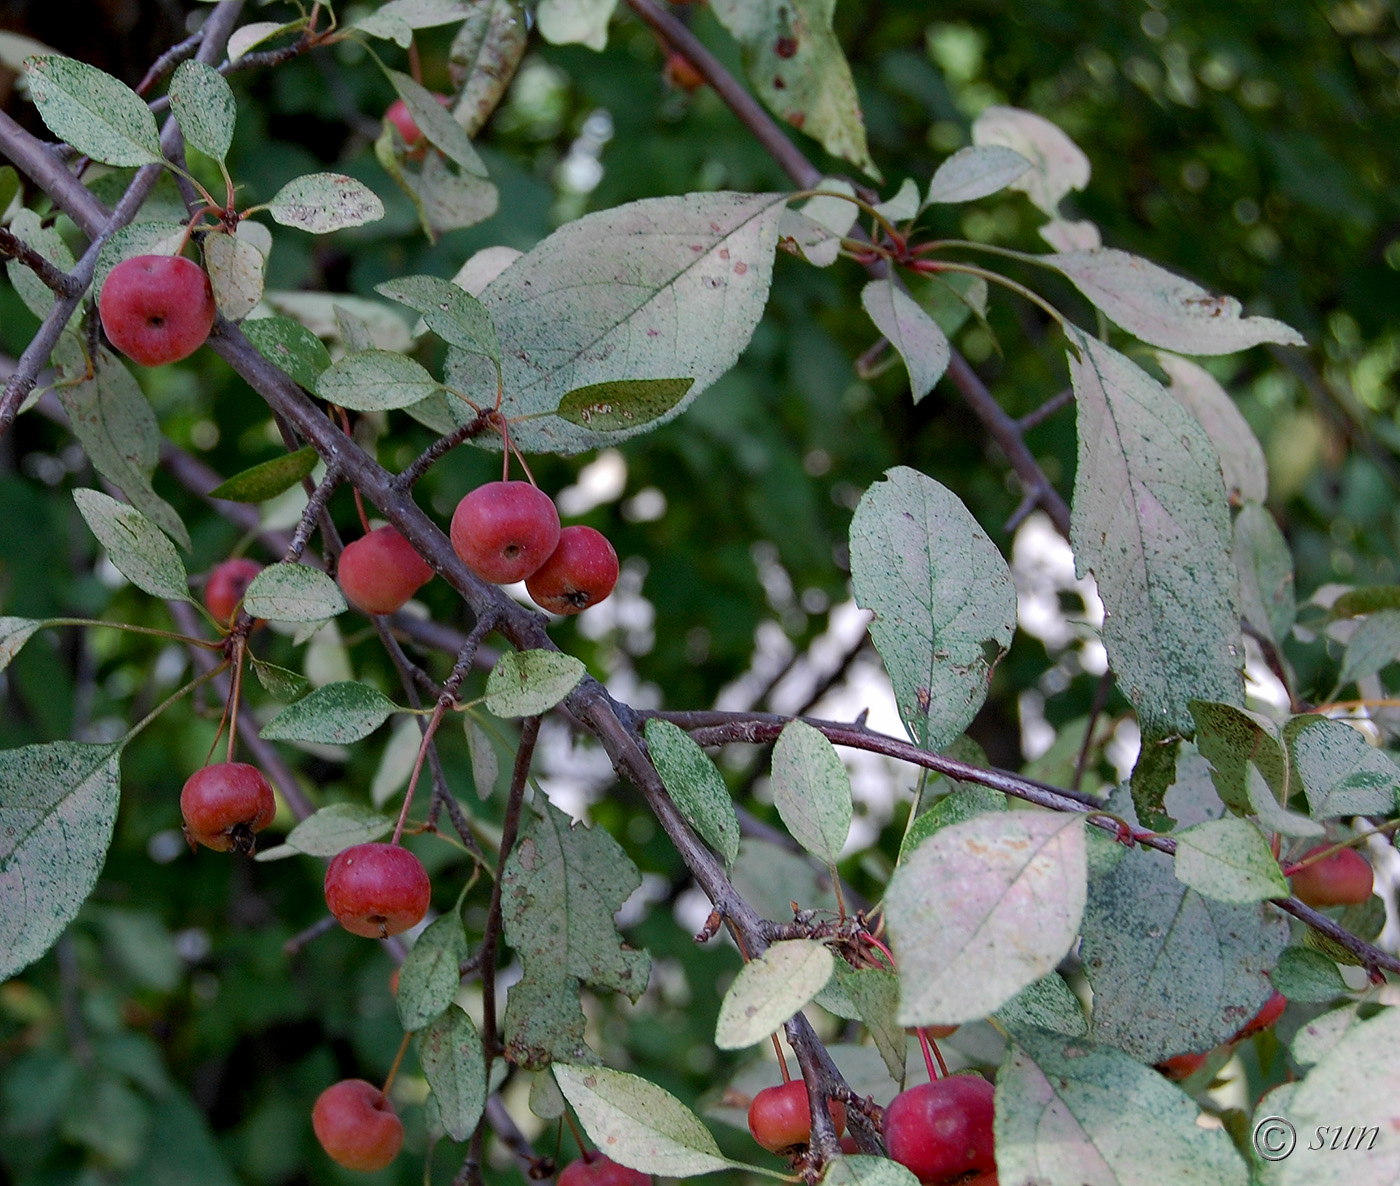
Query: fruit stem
{"points": [[880, 947], [394, 1070], [235, 692], [931, 1051], [433, 722], [782, 1058], [584, 1151]]}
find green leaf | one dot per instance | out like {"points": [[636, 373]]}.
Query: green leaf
{"points": [[415, 14], [1065, 1109], [58, 805], [483, 59], [1170, 969], [99, 116], [1241, 456], [975, 172], [854, 1169], [982, 909], [622, 404], [236, 264], [960, 804], [279, 681], [138, 548], [291, 346], [293, 593], [255, 33], [1372, 647], [1366, 600], [335, 828], [796, 66], [1329, 1096], [323, 202], [1272, 815], [15, 632], [203, 104], [560, 888], [375, 381], [874, 994], [1057, 163], [1048, 1004], [1265, 568], [37, 296], [268, 479], [565, 321], [454, 1064], [568, 22], [1228, 860], [445, 196], [1340, 773], [1164, 309], [915, 335], [639, 1124], [527, 683], [118, 430], [336, 714], [943, 599], [769, 990], [9, 187], [457, 317], [696, 787], [485, 765], [437, 124], [1151, 522], [812, 791], [817, 227], [1230, 739], [431, 975], [1307, 976]]}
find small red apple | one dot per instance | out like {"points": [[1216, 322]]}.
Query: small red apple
{"points": [[357, 1125], [157, 308]]}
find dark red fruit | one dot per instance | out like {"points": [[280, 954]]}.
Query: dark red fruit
{"points": [[1272, 1010], [504, 531], [581, 571], [942, 1130], [681, 74], [226, 586], [357, 1125], [225, 804], [1181, 1066], [157, 308], [597, 1169], [377, 890], [781, 1119], [1343, 879], [380, 571]]}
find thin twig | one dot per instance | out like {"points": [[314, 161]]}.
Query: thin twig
{"points": [[59, 282]]}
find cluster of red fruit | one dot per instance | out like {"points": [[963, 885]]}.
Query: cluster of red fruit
{"points": [[940, 1131]]}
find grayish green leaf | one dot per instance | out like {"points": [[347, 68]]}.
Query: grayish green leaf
{"points": [[1164, 309], [89, 109], [268, 479], [1265, 568], [639, 1124], [1228, 860], [255, 33], [138, 548], [975, 172], [438, 126], [874, 994], [527, 683], [1241, 456], [203, 104], [903, 206], [485, 765], [1340, 773], [982, 909], [622, 404], [58, 805], [960, 804], [568, 22], [290, 345], [1057, 163], [337, 827], [1273, 815], [1373, 646], [1048, 1004], [854, 1169], [36, 295], [375, 381], [696, 787], [445, 196], [812, 791], [769, 990], [1151, 522], [1069, 1111], [336, 714], [235, 265], [770, 878], [1171, 970], [457, 317], [1307, 976], [15, 632], [1230, 739], [915, 335], [431, 975], [293, 593], [453, 1062], [279, 681], [483, 59], [943, 599], [323, 202]]}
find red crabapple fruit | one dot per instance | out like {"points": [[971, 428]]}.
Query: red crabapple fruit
{"points": [[377, 890], [1343, 879], [380, 571], [597, 1169], [681, 73], [581, 571], [943, 1129], [157, 308], [357, 1125], [504, 531], [780, 1118], [226, 585], [1269, 1013], [225, 804]]}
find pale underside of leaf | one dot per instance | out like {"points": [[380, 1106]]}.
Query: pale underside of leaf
{"points": [[1058, 165]]}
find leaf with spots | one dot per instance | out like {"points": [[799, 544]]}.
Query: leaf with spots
{"points": [[484, 56], [323, 202], [559, 891], [622, 403], [58, 805], [770, 989], [136, 546], [336, 714], [454, 1064], [98, 115]]}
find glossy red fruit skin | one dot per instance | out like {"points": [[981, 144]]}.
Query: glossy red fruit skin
{"points": [[380, 571], [781, 1119], [1343, 879], [1271, 1011], [223, 805], [226, 586], [1182, 1066], [943, 1129], [581, 571], [157, 308], [377, 890], [357, 1125], [504, 531], [601, 1170]]}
